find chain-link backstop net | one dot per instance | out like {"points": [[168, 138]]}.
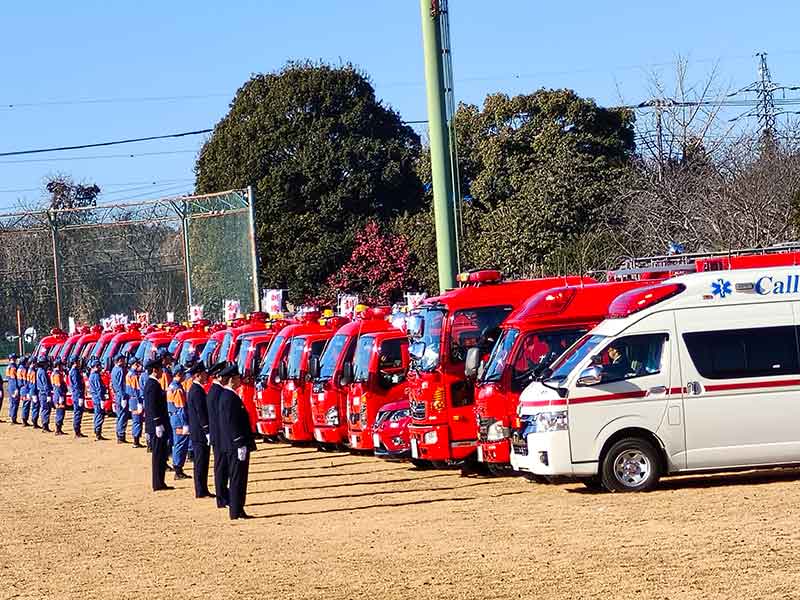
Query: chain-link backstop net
{"points": [[154, 256]]}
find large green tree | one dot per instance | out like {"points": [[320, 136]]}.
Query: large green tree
{"points": [[538, 173], [324, 156]]}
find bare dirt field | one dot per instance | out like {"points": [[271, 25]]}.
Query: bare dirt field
{"points": [[78, 521]]}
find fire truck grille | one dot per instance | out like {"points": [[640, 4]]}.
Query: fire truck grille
{"points": [[293, 411], [355, 418], [417, 410], [286, 411], [363, 412]]}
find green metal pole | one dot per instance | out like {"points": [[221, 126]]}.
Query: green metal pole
{"points": [[444, 217]]}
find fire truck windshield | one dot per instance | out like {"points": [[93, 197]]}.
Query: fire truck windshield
{"points": [[225, 346], [241, 360], [500, 356], [295, 355], [188, 353], [143, 351], [173, 345], [208, 351], [363, 355], [266, 368], [327, 363]]}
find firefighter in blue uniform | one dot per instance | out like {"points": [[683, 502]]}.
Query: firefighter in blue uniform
{"points": [[135, 400], [118, 375], [98, 392], [142, 382], [59, 383], [13, 389], [176, 405], [77, 388], [45, 391], [32, 392], [22, 389]]}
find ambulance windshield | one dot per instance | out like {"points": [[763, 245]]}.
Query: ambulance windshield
{"points": [[573, 357]]}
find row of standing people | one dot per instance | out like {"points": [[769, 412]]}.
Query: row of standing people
{"points": [[190, 419], [216, 420]]}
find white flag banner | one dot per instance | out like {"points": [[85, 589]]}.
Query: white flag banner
{"points": [[231, 310], [414, 300], [170, 317], [347, 305], [72, 326], [142, 318], [196, 312], [273, 301]]}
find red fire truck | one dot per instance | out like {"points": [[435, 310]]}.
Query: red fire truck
{"points": [[328, 394], [376, 377], [442, 329], [269, 384], [532, 337], [306, 341], [49, 342], [252, 350]]}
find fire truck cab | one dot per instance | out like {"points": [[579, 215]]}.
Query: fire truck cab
{"points": [[252, 350], [328, 394], [306, 341], [376, 377], [442, 330]]}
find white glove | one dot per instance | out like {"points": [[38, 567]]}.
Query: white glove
{"points": [[124, 404], [159, 431], [208, 439], [185, 430], [242, 453], [80, 402]]}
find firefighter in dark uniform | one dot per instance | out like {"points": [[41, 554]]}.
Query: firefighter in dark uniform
{"points": [[220, 459], [77, 388], [236, 439], [157, 418], [197, 414]]}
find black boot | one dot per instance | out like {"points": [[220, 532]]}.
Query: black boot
{"points": [[179, 474], [80, 434], [46, 429], [36, 425], [136, 443], [98, 436], [59, 431]]}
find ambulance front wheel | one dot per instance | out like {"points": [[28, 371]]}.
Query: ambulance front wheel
{"points": [[631, 465]]}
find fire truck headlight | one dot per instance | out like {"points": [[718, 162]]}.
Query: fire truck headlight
{"points": [[551, 421], [332, 417], [268, 412], [496, 432], [431, 437]]}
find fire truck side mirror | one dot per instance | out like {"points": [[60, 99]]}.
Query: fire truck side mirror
{"points": [[282, 371], [313, 367], [347, 374], [472, 362]]}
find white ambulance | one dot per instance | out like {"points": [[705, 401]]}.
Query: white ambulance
{"points": [[697, 373]]}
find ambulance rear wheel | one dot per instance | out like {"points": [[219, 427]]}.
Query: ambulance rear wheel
{"points": [[631, 465]]}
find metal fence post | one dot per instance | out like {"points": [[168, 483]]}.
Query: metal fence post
{"points": [[251, 200]]}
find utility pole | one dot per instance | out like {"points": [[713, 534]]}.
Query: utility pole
{"points": [[433, 12], [251, 221]]}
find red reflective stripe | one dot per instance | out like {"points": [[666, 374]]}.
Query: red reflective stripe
{"points": [[604, 397], [751, 385], [534, 403]]}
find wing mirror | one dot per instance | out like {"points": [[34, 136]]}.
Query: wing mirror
{"points": [[282, 371], [590, 376], [313, 367], [472, 363], [347, 374]]}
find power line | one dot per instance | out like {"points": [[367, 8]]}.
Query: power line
{"points": [[107, 185], [113, 143], [136, 155]]}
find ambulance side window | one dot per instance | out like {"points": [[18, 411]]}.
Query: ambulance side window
{"points": [[631, 357], [740, 353]]}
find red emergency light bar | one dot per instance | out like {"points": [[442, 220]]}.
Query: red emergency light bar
{"points": [[633, 301], [550, 302], [309, 316], [484, 276], [97, 329], [335, 322], [200, 324], [119, 328], [135, 326], [57, 331], [257, 316]]}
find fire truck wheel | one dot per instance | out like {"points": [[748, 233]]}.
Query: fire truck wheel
{"points": [[421, 465], [631, 465]]}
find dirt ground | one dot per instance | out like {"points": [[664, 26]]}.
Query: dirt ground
{"points": [[78, 520]]}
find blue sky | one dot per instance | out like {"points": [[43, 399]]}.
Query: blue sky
{"points": [[56, 56]]}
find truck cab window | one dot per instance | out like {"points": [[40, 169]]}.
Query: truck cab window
{"points": [[631, 357]]}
